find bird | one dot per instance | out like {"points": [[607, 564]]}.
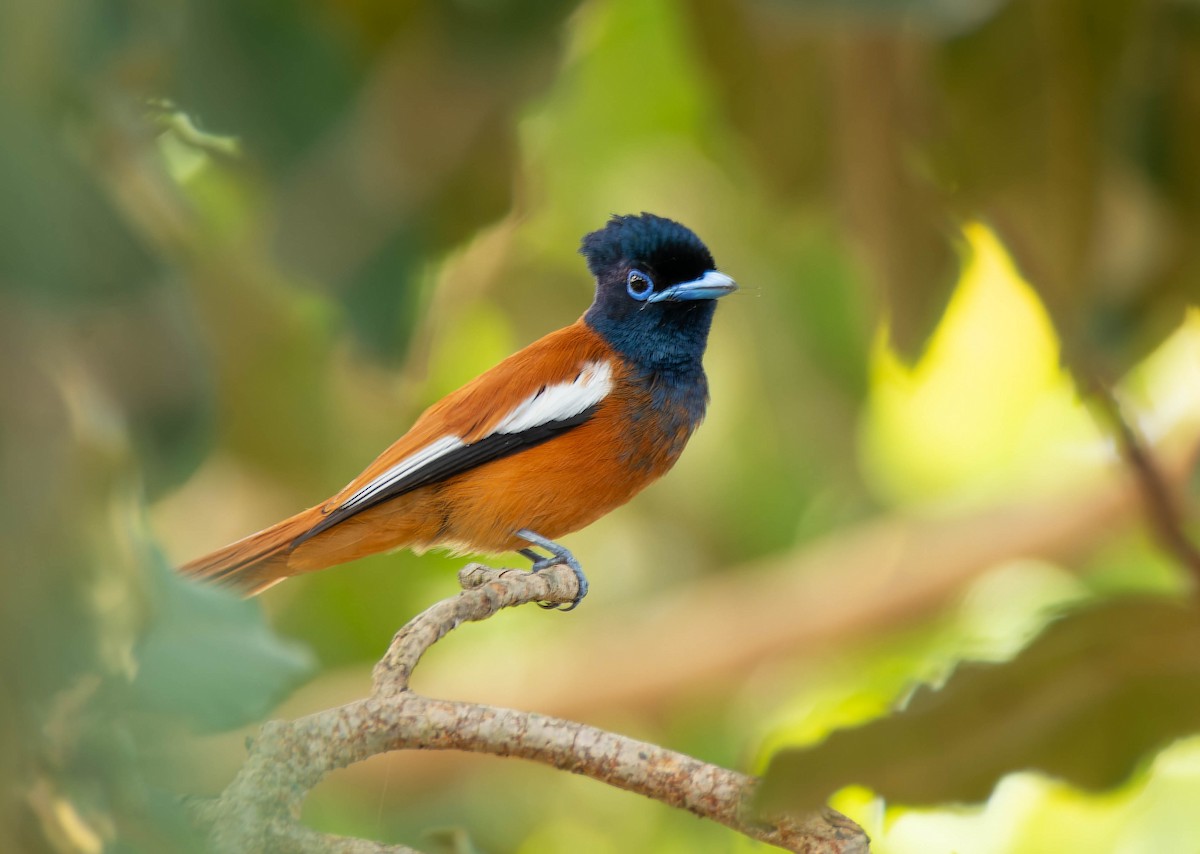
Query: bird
{"points": [[543, 444]]}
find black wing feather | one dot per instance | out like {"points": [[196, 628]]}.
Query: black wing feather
{"points": [[487, 449]]}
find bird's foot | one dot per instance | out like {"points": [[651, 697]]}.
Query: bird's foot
{"points": [[559, 556]]}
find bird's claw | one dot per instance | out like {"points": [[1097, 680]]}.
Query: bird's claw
{"points": [[559, 556]]}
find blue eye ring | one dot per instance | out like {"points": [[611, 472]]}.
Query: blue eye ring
{"points": [[639, 285]]}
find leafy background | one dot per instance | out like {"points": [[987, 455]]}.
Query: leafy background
{"points": [[244, 242]]}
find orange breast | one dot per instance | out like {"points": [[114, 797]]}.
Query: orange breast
{"points": [[562, 485], [552, 489]]}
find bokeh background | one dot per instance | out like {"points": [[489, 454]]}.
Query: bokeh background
{"points": [[244, 242]]}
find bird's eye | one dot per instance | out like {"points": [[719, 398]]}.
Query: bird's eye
{"points": [[639, 285]]}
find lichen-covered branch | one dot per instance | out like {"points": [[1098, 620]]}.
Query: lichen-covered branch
{"points": [[260, 809]]}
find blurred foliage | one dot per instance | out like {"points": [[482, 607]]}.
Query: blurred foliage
{"points": [[1068, 126], [1091, 696], [209, 659], [242, 244]]}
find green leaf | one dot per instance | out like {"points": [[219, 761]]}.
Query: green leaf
{"points": [[1086, 701], [61, 240], [210, 658]]}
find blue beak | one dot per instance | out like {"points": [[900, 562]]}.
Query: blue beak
{"points": [[712, 285]]}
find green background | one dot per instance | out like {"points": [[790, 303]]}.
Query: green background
{"points": [[243, 243]]}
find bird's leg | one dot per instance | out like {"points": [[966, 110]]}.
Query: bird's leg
{"points": [[558, 555]]}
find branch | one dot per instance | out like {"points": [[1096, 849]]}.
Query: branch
{"points": [[1163, 514], [260, 809]]}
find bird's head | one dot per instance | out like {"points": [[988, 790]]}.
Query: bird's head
{"points": [[656, 290]]}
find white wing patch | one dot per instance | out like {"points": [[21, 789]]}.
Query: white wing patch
{"points": [[560, 401], [550, 403], [413, 462]]}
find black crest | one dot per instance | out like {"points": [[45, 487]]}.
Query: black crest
{"points": [[670, 251]]}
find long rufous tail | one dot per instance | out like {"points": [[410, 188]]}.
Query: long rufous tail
{"points": [[256, 562]]}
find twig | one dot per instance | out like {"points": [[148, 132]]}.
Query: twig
{"points": [[1163, 514], [260, 809]]}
